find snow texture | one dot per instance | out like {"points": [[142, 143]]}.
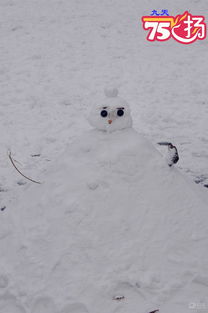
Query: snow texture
{"points": [[111, 219], [112, 228]]}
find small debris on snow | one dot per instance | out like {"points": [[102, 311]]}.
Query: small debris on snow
{"points": [[35, 155], [92, 185], [3, 208], [200, 179], [21, 183], [66, 102], [154, 311], [118, 298]]}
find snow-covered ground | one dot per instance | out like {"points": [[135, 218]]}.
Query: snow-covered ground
{"points": [[56, 58]]}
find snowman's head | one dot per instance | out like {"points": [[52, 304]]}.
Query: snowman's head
{"points": [[112, 114]]}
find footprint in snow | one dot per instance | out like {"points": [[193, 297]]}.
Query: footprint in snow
{"points": [[4, 281], [75, 308], [124, 290], [5, 227], [9, 304], [43, 305]]}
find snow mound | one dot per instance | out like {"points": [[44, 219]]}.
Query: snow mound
{"points": [[112, 226]]}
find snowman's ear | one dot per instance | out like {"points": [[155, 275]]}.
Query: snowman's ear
{"points": [[111, 92]]}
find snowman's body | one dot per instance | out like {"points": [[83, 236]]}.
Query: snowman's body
{"points": [[112, 219]]}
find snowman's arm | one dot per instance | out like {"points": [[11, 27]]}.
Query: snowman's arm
{"points": [[172, 154]]}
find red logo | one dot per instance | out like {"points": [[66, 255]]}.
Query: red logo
{"points": [[185, 28]]}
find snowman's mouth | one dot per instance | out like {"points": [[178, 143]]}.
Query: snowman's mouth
{"points": [[110, 121]]}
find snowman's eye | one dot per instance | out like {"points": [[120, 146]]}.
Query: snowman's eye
{"points": [[120, 112], [104, 113]]}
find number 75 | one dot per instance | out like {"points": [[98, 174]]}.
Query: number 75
{"points": [[157, 28]]}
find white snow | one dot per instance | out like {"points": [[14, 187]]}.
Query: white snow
{"points": [[109, 220], [111, 92]]}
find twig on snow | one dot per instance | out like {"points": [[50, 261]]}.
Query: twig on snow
{"points": [[28, 178], [118, 298]]}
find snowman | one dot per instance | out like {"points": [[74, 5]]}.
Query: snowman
{"points": [[114, 114], [112, 229]]}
